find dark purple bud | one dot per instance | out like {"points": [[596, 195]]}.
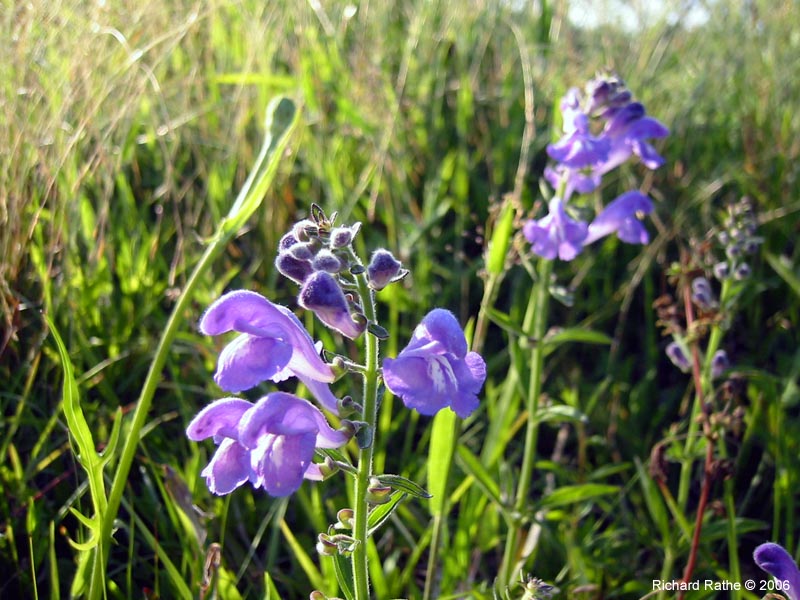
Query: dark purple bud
{"points": [[295, 269], [322, 294], [287, 241], [722, 271], [678, 357], [303, 250], [734, 250], [742, 271], [719, 363], [305, 230], [702, 295], [383, 268], [751, 245], [341, 237], [325, 260]]}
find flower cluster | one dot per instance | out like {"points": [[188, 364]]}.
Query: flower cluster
{"points": [[738, 239], [270, 443], [319, 256], [603, 128]]}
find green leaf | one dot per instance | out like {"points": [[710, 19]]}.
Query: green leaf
{"points": [[382, 512], [440, 458], [557, 336], [344, 575], [560, 413], [783, 267], [402, 484], [472, 466], [501, 240], [570, 494]]}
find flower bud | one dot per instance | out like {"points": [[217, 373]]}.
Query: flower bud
{"points": [[327, 261], [345, 518], [678, 357], [722, 271], [377, 492], [383, 269], [719, 363], [341, 237], [305, 230], [294, 268], [702, 295], [326, 546], [322, 294], [741, 272]]}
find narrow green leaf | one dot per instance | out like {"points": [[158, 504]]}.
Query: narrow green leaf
{"points": [[570, 494], [308, 566], [654, 501], [556, 337], [472, 466], [402, 484], [783, 267], [344, 575], [560, 413], [382, 512], [440, 458], [501, 240]]}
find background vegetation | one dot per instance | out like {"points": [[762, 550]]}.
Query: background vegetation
{"points": [[128, 128]]}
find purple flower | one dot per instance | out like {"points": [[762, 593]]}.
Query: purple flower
{"points": [[621, 216], [579, 149], [273, 345], [776, 561], [626, 133], [702, 294], [719, 363], [322, 294], [557, 234], [270, 443], [678, 356], [435, 370], [383, 269]]}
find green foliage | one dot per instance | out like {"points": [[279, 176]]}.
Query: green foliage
{"points": [[128, 128]]}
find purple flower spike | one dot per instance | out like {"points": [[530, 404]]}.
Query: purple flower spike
{"points": [[556, 234], [622, 217], [323, 295], [282, 431], [274, 344], [776, 561], [435, 370]]}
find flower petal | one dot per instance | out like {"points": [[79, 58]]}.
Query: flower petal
{"points": [[277, 413], [248, 360], [776, 561], [228, 469], [283, 463], [218, 418], [621, 217]]}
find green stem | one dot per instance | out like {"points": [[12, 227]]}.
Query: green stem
{"points": [[282, 117], [370, 416], [536, 326], [714, 341]]}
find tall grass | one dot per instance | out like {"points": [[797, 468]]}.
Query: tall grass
{"points": [[127, 130]]}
